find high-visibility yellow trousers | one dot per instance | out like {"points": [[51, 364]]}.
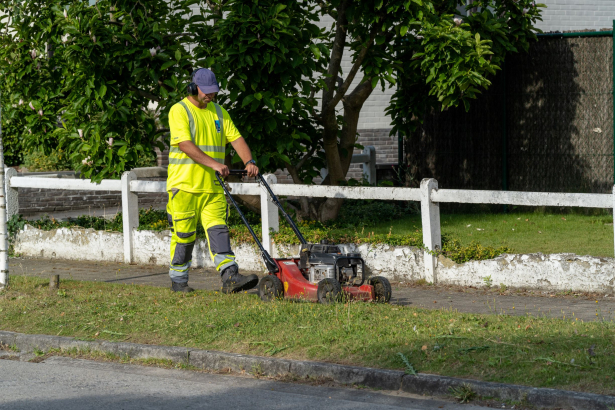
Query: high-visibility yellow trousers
{"points": [[184, 211]]}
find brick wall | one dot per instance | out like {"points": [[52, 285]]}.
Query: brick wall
{"points": [[36, 201]]}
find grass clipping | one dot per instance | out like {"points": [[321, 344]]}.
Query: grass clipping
{"points": [[541, 352]]}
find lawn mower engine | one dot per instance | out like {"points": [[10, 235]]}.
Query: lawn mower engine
{"points": [[324, 260]]}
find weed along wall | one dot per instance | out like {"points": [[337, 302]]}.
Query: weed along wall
{"points": [[554, 272]]}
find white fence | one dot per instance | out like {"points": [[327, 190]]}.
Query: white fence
{"points": [[428, 194]]}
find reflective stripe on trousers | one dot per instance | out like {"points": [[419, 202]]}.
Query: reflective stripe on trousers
{"points": [[184, 211]]}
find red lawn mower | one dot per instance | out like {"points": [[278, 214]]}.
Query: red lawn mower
{"points": [[322, 273]]}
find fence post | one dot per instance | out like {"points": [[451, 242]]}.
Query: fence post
{"points": [[130, 214], [369, 168], [12, 194], [269, 215], [432, 238]]}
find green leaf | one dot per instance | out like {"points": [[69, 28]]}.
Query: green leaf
{"points": [[122, 151], [247, 100], [178, 55], [271, 124], [167, 65], [403, 30], [102, 91], [374, 82], [164, 93], [288, 104], [315, 50], [258, 96]]}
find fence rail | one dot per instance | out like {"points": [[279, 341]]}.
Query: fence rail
{"points": [[70, 184], [428, 194], [522, 198]]}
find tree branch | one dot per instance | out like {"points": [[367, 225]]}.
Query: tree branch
{"points": [[306, 157], [358, 96], [145, 94], [161, 131], [337, 52], [355, 67], [293, 174]]}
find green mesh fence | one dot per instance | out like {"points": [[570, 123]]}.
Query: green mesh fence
{"points": [[546, 124]]}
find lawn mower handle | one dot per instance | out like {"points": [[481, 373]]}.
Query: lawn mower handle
{"points": [[272, 267], [277, 203], [274, 199]]}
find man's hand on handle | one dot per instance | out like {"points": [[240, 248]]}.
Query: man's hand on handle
{"points": [[252, 170], [222, 169]]}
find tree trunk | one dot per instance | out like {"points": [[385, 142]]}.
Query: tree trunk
{"points": [[339, 155]]}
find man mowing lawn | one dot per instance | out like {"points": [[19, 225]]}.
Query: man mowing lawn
{"points": [[200, 130]]}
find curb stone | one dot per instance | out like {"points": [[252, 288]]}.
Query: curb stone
{"points": [[537, 397], [426, 384]]}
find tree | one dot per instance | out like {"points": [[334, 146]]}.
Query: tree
{"points": [[81, 77], [272, 58], [281, 75]]}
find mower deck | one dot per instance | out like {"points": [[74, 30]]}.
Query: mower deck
{"points": [[297, 287]]}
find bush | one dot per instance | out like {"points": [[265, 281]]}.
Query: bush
{"points": [[452, 249], [148, 160], [37, 161], [13, 151]]}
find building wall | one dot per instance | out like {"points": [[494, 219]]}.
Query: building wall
{"points": [[565, 15]]}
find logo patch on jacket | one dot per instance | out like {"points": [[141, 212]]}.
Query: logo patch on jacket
{"points": [[217, 125]]}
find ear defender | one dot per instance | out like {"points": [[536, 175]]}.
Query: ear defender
{"points": [[192, 87]]}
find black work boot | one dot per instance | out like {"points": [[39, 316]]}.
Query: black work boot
{"points": [[233, 282], [181, 287]]}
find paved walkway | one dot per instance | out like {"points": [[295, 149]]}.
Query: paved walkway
{"points": [[583, 306]]}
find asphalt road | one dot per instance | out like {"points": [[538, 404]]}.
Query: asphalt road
{"points": [[60, 383]]}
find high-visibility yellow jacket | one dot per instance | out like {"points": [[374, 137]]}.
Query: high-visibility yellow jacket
{"points": [[210, 129]]}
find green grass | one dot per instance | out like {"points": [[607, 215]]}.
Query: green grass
{"points": [[522, 232], [540, 352]]}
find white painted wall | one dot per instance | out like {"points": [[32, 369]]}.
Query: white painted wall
{"points": [[556, 272]]}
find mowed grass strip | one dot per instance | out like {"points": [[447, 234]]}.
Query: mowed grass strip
{"points": [[541, 352]]}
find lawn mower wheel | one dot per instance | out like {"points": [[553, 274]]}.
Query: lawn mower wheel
{"points": [[329, 290], [382, 289], [270, 288]]}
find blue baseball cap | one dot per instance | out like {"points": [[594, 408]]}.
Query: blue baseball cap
{"points": [[205, 80]]}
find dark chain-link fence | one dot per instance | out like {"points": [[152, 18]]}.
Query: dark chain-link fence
{"points": [[546, 124]]}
